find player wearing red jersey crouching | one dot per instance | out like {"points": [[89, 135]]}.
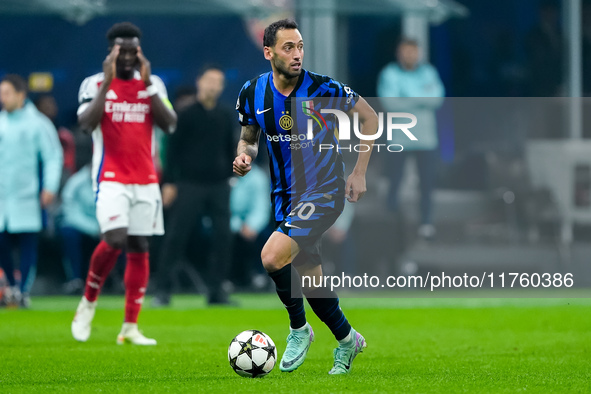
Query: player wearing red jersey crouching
{"points": [[121, 106]]}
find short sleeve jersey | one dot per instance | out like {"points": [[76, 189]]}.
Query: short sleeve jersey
{"points": [[123, 143], [297, 166]]}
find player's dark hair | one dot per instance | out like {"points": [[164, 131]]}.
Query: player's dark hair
{"points": [[123, 30], [270, 37], [18, 82]]}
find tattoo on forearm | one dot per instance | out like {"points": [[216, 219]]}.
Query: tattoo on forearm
{"points": [[249, 141], [250, 134], [250, 150]]}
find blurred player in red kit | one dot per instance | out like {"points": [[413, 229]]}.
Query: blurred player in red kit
{"points": [[121, 106]]}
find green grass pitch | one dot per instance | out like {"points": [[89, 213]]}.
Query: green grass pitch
{"points": [[414, 345]]}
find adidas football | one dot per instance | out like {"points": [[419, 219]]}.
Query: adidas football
{"points": [[252, 354]]}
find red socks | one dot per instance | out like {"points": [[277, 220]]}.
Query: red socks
{"points": [[136, 277], [101, 263]]}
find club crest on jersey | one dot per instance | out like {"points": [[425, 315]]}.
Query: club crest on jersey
{"points": [[285, 122], [142, 94]]}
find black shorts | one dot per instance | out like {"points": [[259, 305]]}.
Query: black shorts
{"points": [[308, 221]]}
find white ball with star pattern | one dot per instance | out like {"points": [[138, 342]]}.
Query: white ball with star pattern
{"points": [[252, 354]]}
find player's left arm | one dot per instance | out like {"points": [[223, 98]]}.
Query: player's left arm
{"points": [[164, 115], [368, 119]]}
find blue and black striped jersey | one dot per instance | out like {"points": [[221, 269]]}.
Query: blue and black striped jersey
{"points": [[298, 166]]}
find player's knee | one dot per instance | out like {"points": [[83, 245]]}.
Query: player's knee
{"points": [[116, 243], [137, 244], [272, 261], [116, 239]]}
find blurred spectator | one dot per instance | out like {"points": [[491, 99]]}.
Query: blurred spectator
{"points": [[251, 212], [185, 96], [420, 92], [26, 136], [47, 105], [196, 182], [78, 226], [544, 51]]}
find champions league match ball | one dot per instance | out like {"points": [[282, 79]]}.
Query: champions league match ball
{"points": [[252, 354]]}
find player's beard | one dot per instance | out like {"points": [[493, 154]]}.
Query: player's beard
{"points": [[284, 70]]}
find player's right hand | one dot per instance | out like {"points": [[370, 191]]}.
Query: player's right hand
{"points": [[242, 165], [110, 64]]}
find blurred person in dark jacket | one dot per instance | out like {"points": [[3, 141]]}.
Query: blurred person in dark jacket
{"points": [[195, 185]]}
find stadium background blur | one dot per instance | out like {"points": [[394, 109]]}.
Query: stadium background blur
{"points": [[488, 210], [513, 194]]}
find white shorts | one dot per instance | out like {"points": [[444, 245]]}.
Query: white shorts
{"points": [[135, 207]]}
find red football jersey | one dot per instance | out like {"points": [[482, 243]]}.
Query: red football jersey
{"points": [[124, 144]]}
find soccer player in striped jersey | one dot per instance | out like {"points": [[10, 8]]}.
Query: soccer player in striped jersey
{"points": [[121, 106], [308, 186]]}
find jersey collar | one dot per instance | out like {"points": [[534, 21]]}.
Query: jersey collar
{"points": [[295, 89]]}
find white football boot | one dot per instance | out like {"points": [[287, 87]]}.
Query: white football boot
{"points": [[130, 334], [83, 320]]}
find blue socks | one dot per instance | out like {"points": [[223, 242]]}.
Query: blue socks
{"points": [[294, 303]]}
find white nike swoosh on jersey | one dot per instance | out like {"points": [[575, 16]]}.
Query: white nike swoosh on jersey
{"points": [[292, 226], [263, 111]]}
